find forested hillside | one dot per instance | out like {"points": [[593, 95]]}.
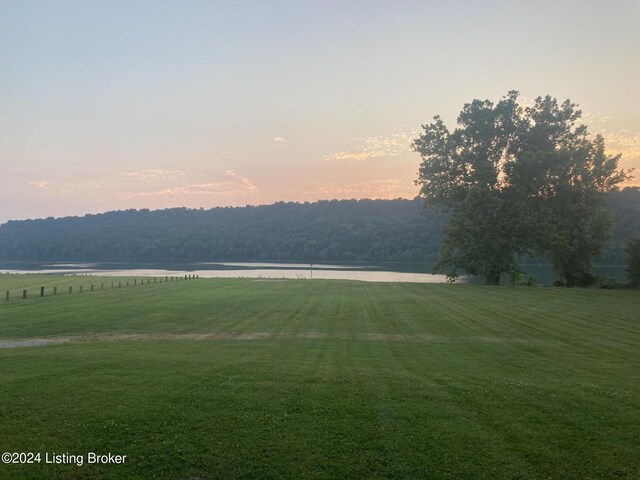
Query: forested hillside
{"points": [[345, 230]]}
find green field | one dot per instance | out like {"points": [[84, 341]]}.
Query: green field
{"points": [[322, 379]]}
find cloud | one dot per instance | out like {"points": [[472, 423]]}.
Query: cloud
{"points": [[151, 174], [228, 183], [277, 142], [623, 141], [154, 182], [388, 188], [628, 144], [353, 156], [40, 184], [594, 120], [58, 187], [391, 145]]}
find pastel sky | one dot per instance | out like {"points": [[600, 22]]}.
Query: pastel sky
{"points": [[109, 105]]}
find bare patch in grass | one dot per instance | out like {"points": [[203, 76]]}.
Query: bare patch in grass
{"points": [[244, 336], [507, 341], [31, 342]]}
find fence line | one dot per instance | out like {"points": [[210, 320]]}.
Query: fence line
{"points": [[54, 290]]}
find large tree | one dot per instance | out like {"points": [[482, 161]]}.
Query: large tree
{"points": [[463, 171], [566, 175], [517, 180]]}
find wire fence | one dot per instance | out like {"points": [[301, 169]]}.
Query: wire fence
{"points": [[56, 290]]}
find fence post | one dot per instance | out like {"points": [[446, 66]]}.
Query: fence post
{"points": [[102, 286], [92, 287], [70, 289], [41, 291], [7, 295], [24, 294], [119, 284], [55, 290], [135, 281], [80, 288]]}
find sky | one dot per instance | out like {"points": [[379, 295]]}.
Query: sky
{"points": [[111, 105]]}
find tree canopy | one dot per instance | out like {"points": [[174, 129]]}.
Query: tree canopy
{"points": [[518, 180]]}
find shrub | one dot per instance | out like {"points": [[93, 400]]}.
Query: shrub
{"points": [[633, 261], [608, 282]]}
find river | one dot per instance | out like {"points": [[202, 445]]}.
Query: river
{"points": [[383, 272], [370, 273]]}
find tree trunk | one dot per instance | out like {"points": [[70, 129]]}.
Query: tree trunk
{"points": [[493, 279], [571, 281]]}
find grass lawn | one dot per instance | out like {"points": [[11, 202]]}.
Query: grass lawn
{"points": [[214, 378]]}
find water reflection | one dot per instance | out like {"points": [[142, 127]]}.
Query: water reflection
{"points": [[368, 273], [387, 272]]}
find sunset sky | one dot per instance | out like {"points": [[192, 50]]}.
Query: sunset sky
{"points": [[108, 105]]}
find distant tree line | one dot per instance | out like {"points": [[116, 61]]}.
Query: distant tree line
{"points": [[347, 230], [344, 230]]}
